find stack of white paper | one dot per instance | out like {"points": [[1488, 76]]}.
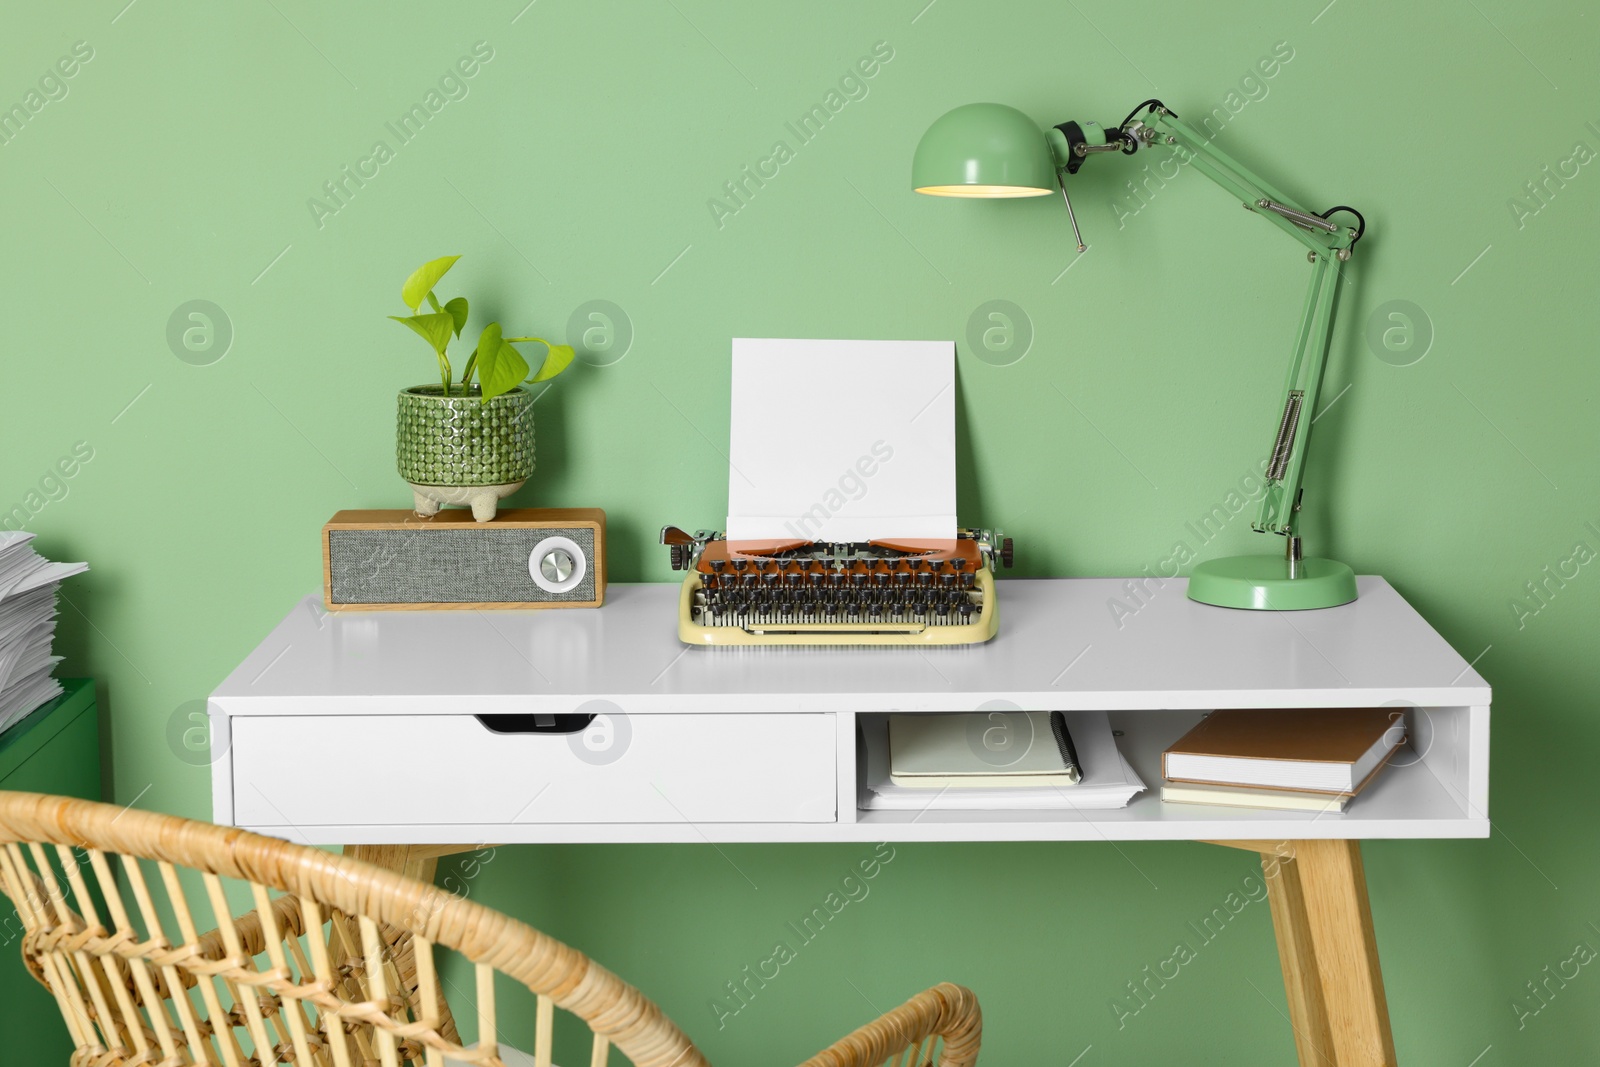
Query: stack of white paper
{"points": [[1108, 780], [28, 584]]}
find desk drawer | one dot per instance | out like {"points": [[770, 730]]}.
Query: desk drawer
{"points": [[451, 769]]}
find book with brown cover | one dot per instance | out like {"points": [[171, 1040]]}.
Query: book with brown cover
{"points": [[1322, 750]]}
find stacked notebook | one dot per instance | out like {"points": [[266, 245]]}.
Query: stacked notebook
{"points": [[28, 584], [1304, 759], [994, 761]]}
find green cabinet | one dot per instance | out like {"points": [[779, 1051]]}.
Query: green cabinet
{"points": [[54, 750]]}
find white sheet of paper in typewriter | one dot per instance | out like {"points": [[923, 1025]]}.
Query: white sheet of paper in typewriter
{"points": [[842, 440]]}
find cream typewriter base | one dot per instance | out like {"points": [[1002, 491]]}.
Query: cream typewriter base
{"points": [[840, 633]]}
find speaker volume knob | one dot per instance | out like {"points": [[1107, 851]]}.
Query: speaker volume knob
{"points": [[557, 566]]}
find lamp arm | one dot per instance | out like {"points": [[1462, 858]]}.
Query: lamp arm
{"points": [[1162, 127], [1280, 505], [1329, 245]]}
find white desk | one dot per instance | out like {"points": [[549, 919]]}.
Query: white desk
{"points": [[760, 744]]}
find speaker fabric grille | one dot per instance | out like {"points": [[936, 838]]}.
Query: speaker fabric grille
{"points": [[448, 565]]}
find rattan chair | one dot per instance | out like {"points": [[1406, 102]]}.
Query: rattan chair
{"points": [[333, 965]]}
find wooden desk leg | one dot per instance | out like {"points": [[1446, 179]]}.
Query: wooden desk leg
{"points": [[1317, 891], [1297, 955], [1318, 895], [420, 862]]}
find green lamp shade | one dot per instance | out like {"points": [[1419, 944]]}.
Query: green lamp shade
{"points": [[987, 150]]}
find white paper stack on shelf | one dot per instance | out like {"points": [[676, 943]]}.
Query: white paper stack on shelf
{"points": [[28, 584], [1108, 780]]}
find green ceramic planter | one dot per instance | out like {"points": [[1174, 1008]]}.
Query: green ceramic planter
{"points": [[458, 450]]}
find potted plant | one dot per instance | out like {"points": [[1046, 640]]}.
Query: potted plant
{"points": [[464, 441]]}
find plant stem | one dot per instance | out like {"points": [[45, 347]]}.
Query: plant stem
{"points": [[548, 347], [466, 373]]}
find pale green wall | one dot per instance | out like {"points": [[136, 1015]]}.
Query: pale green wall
{"points": [[579, 167]]}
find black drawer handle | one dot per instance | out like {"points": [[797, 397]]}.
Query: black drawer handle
{"points": [[569, 723]]}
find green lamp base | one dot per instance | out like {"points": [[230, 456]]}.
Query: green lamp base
{"points": [[1262, 583]]}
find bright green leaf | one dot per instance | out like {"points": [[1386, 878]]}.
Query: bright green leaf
{"points": [[489, 341], [508, 373], [458, 311], [554, 363], [501, 367], [423, 279], [433, 328]]}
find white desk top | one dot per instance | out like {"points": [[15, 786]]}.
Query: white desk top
{"points": [[1059, 646]]}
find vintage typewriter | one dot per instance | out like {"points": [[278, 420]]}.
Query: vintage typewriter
{"points": [[904, 592]]}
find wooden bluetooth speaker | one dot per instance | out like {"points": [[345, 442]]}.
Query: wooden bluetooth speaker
{"points": [[525, 558]]}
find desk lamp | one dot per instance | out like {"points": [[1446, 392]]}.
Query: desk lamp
{"points": [[991, 150]]}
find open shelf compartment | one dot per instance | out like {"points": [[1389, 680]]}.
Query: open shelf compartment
{"points": [[1436, 786]]}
